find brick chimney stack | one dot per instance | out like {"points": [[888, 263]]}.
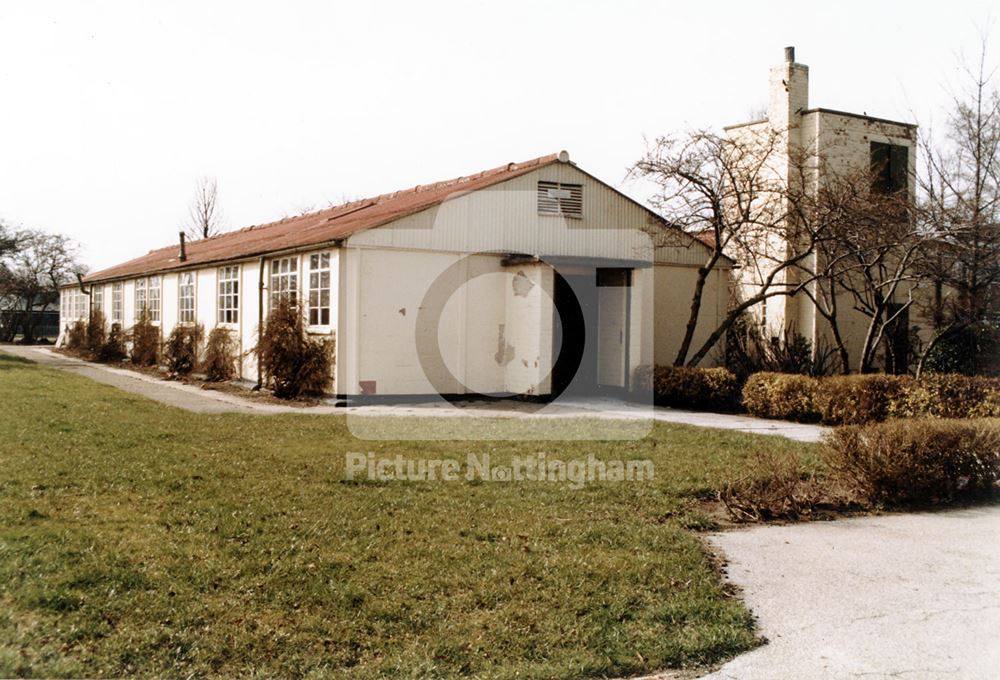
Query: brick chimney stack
{"points": [[789, 92]]}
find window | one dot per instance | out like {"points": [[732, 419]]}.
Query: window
{"points": [[319, 289], [284, 280], [556, 198], [116, 302], [153, 298], [147, 297], [185, 297], [140, 298], [890, 167], [71, 305], [229, 294], [81, 304], [97, 298]]}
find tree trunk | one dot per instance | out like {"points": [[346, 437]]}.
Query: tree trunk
{"points": [[699, 289], [845, 360]]}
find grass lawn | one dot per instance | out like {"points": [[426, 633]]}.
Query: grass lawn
{"points": [[137, 539]]}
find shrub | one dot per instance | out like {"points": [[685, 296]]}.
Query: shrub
{"points": [[695, 388], [293, 364], [856, 399], [949, 395], [971, 350], [76, 336], [96, 332], [145, 342], [220, 355], [748, 352], [777, 489], [180, 352], [904, 462], [781, 395], [114, 348]]}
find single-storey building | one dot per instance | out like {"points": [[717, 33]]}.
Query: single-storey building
{"points": [[529, 278]]}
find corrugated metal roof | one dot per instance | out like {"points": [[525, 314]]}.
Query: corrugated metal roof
{"points": [[315, 228]]}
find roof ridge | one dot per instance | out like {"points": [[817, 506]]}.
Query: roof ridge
{"points": [[317, 220], [379, 198]]}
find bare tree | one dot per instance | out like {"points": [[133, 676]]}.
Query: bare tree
{"points": [[32, 272], [875, 245], [204, 214], [726, 190], [8, 241], [960, 186]]}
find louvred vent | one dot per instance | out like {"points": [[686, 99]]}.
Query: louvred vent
{"points": [[556, 198]]}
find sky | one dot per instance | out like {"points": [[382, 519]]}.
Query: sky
{"points": [[110, 112]]}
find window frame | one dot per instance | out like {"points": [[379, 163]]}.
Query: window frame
{"points": [[154, 302], [290, 276], [95, 293], [182, 310], [889, 164], [139, 285], [117, 302], [228, 301], [319, 290]]}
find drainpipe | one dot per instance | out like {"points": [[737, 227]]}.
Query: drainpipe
{"points": [[260, 322], [85, 291]]}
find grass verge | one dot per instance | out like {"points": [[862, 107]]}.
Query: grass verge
{"points": [[137, 539]]}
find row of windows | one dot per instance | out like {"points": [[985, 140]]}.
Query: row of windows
{"points": [[284, 283]]}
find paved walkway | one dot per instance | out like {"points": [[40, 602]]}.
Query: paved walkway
{"points": [[899, 596], [197, 400], [167, 392]]}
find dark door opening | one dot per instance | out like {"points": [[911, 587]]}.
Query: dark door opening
{"points": [[574, 337], [590, 331], [897, 356]]}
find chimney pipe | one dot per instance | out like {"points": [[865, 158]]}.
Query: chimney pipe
{"points": [[790, 55], [182, 255]]}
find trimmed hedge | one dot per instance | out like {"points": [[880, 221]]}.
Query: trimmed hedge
{"points": [[691, 388], [787, 396], [950, 395], [905, 462], [858, 399]]}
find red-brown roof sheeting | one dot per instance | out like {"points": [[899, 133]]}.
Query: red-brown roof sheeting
{"points": [[315, 228]]}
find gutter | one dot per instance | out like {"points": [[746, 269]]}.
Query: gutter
{"points": [[335, 243]]}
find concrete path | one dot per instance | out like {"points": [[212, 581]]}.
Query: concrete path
{"points": [[197, 400], [899, 596], [167, 392]]}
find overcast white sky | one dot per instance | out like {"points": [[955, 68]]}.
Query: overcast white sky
{"points": [[110, 111]]}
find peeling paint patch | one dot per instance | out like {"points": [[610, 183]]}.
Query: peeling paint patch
{"points": [[505, 351], [521, 284], [402, 311]]}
